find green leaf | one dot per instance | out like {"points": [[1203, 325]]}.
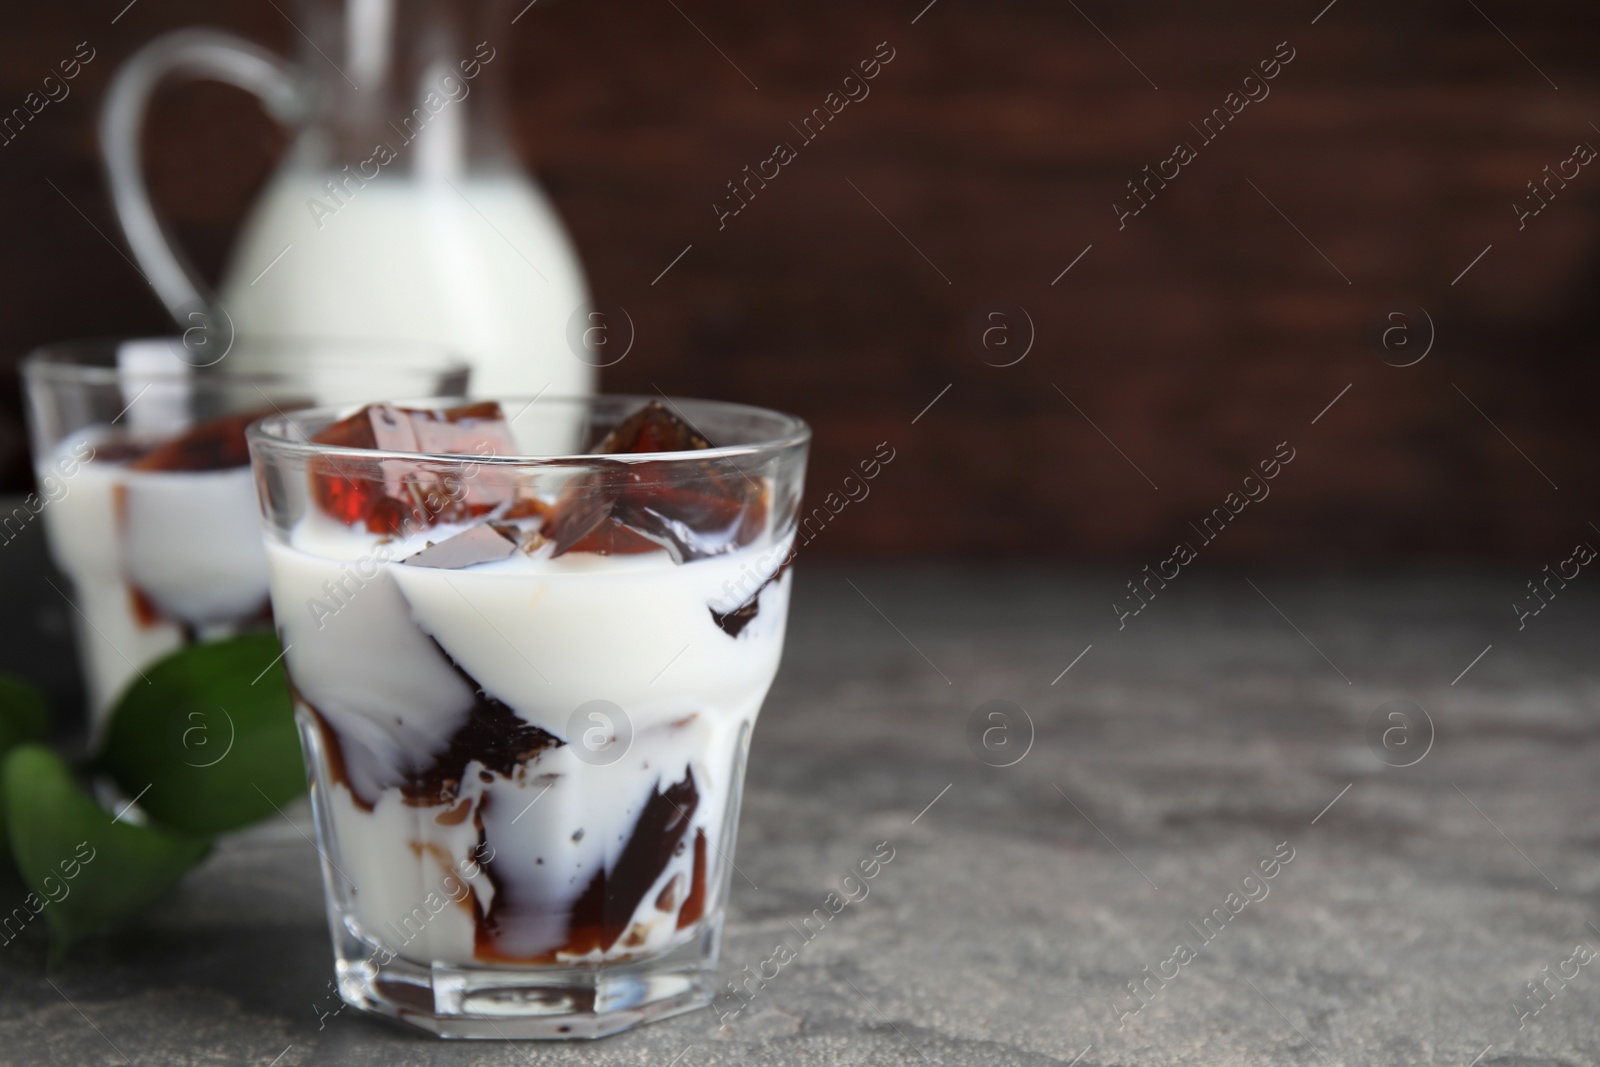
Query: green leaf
{"points": [[212, 736], [24, 716], [85, 870]]}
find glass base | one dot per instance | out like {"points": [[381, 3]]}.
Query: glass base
{"points": [[528, 1003]]}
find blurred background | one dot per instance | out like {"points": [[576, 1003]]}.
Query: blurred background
{"points": [[1171, 351]]}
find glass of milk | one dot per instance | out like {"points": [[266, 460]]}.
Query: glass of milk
{"points": [[528, 641], [144, 480]]}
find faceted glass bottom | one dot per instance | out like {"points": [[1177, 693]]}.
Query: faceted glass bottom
{"points": [[535, 1002]]}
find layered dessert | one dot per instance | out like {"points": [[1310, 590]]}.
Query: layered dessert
{"points": [[160, 537], [525, 692]]}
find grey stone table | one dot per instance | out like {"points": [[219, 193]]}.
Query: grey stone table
{"points": [[1219, 730]]}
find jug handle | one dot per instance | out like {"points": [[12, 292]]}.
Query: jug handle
{"points": [[195, 53]]}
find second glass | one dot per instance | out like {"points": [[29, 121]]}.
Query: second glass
{"points": [[145, 487]]}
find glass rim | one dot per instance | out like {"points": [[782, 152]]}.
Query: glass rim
{"points": [[72, 362], [271, 434]]}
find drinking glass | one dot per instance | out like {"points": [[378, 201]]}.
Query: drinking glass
{"points": [[525, 680], [145, 487]]}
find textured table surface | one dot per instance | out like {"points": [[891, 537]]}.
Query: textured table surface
{"points": [[1171, 759]]}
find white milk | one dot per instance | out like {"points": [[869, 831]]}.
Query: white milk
{"points": [[189, 540], [479, 263]]}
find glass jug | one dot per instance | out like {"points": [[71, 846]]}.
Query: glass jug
{"points": [[399, 211]]}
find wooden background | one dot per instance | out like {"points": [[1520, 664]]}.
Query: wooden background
{"points": [[1196, 339]]}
